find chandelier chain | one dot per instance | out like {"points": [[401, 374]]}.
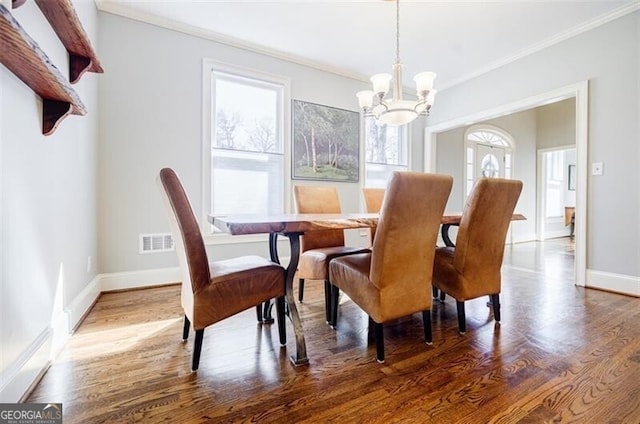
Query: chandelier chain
{"points": [[397, 31]]}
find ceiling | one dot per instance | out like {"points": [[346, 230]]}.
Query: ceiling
{"points": [[457, 40]]}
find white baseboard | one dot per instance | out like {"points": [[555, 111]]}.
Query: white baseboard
{"points": [[81, 304], [19, 376], [617, 283], [522, 238], [138, 279]]}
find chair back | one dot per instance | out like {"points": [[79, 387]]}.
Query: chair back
{"points": [[189, 244], [373, 199], [404, 245], [311, 199], [483, 229]]}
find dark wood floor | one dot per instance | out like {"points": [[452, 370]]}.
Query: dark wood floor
{"points": [[561, 354]]}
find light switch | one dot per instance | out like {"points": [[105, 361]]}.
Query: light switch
{"points": [[597, 168]]}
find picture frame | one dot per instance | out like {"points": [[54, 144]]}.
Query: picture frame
{"points": [[326, 143], [571, 180]]}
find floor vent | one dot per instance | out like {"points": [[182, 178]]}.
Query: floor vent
{"points": [[153, 243]]}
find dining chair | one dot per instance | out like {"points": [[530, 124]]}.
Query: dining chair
{"points": [[214, 290], [472, 268], [318, 248], [393, 280], [372, 202]]}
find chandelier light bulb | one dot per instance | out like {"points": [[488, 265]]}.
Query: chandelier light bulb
{"points": [[397, 111]]}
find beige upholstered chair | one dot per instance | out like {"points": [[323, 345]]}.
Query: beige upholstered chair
{"points": [[472, 268], [319, 247], [213, 291], [394, 279], [373, 202]]}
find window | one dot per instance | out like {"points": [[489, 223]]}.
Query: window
{"points": [[245, 152], [488, 154], [385, 150]]}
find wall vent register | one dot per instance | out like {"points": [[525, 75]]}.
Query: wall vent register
{"points": [[154, 243]]}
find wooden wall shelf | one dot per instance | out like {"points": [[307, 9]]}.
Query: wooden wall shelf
{"points": [[63, 19], [22, 56]]}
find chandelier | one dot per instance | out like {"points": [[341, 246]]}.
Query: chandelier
{"points": [[397, 111]]}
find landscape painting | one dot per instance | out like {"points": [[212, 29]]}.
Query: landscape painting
{"points": [[325, 143]]}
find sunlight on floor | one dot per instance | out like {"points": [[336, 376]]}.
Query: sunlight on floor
{"points": [[90, 344]]}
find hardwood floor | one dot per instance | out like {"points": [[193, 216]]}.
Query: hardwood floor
{"points": [[561, 354]]}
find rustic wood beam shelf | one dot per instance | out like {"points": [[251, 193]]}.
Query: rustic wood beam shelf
{"points": [[22, 56], [63, 19]]}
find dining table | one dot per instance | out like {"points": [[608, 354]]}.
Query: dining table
{"points": [[293, 226]]}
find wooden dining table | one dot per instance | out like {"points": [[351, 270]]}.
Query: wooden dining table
{"points": [[293, 226]]}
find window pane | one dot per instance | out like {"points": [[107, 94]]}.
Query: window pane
{"points": [[245, 182], [384, 144], [247, 161], [385, 151], [490, 166], [246, 116], [378, 174]]}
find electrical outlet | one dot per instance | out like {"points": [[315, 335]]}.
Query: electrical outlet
{"points": [[597, 168]]}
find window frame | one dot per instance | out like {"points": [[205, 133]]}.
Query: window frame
{"points": [[209, 67]]}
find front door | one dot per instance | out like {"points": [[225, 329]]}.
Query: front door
{"points": [[490, 162]]}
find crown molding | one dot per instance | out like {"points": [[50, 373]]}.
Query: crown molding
{"points": [[119, 9], [122, 10], [558, 38]]}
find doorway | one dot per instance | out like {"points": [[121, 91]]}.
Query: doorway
{"points": [[579, 92], [556, 197]]}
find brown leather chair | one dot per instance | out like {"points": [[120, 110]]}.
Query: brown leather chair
{"points": [[213, 291], [373, 202], [319, 247], [394, 279], [472, 268]]}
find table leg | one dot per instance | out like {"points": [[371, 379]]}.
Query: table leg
{"points": [[300, 357], [444, 231], [267, 307]]}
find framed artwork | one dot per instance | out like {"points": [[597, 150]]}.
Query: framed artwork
{"points": [[325, 143], [571, 178]]}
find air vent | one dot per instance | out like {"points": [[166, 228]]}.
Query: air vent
{"points": [[153, 243]]}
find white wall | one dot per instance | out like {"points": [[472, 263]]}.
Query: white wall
{"points": [[556, 124], [609, 57], [48, 210], [151, 102]]}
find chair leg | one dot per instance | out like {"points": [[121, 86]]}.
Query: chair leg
{"points": [[462, 323], [434, 291], [327, 301], [442, 296], [197, 348], [335, 294], [185, 329], [379, 342], [426, 322], [495, 301], [282, 332], [300, 289], [259, 312]]}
